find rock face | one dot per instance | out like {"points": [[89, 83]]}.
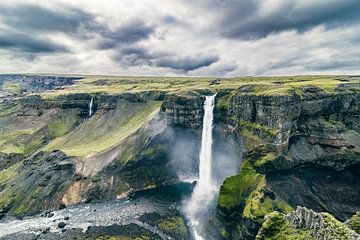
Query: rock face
{"points": [[33, 83], [315, 118], [185, 111], [35, 184], [310, 141], [305, 218], [304, 224]]}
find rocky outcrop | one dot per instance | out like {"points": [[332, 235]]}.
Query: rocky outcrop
{"points": [[304, 224], [35, 184], [183, 110], [34, 83], [7, 160]]}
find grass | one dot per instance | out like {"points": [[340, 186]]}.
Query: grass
{"points": [[63, 124], [263, 85], [12, 87], [265, 159], [173, 225], [235, 189], [6, 110], [101, 132], [276, 227], [10, 141], [244, 193], [256, 126], [354, 222]]}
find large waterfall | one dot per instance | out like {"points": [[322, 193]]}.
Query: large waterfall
{"points": [[204, 192]]}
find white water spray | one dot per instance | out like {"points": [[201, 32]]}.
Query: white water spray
{"points": [[205, 189], [91, 107]]}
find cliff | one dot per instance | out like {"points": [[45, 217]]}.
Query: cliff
{"points": [[302, 150], [279, 142]]}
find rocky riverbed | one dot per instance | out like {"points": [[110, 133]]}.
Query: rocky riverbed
{"points": [[138, 215]]}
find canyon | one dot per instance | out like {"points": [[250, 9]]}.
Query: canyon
{"points": [[285, 156]]}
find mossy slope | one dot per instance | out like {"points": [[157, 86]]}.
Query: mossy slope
{"points": [[104, 130], [314, 226]]}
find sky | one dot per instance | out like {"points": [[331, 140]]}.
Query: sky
{"points": [[222, 38]]}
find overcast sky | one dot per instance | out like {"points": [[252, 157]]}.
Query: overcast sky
{"points": [[180, 37]]}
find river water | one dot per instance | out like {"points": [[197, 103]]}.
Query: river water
{"points": [[118, 212]]}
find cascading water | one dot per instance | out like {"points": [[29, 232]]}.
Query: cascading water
{"points": [[205, 190], [91, 107]]}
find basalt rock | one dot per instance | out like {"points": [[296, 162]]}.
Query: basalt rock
{"points": [[183, 110]]}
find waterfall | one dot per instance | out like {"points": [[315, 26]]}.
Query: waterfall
{"points": [[91, 107], [204, 192]]}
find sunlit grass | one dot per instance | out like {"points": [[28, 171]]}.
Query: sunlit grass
{"points": [[101, 132], [265, 85]]}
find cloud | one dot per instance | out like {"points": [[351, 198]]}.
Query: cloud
{"points": [[134, 56], [181, 37], [130, 32], [251, 19], [187, 63], [28, 18], [29, 44], [138, 56], [27, 29]]}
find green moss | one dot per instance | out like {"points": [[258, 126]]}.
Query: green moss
{"points": [[333, 125], [12, 87], [256, 207], [223, 102], [175, 226], [224, 233], [34, 145], [102, 132], [334, 228], [265, 159], [23, 208], [256, 126], [253, 141], [11, 140], [275, 227], [236, 188], [6, 110], [62, 125], [244, 193], [354, 222]]}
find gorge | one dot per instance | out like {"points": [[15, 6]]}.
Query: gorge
{"points": [[116, 157]]}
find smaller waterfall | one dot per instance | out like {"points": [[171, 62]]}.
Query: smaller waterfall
{"points": [[91, 107], [205, 190]]}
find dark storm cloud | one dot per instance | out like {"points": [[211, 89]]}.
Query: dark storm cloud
{"points": [[246, 19], [335, 65], [29, 44], [186, 64], [27, 24], [134, 56], [130, 32], [36, 18], [137, 56]]}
